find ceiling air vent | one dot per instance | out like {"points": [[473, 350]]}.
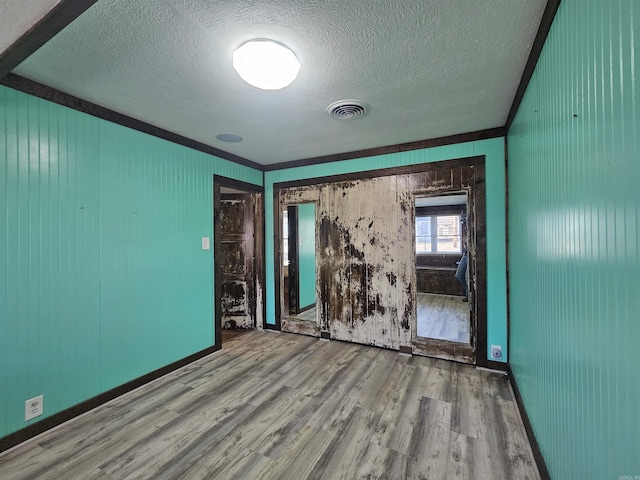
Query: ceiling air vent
{"points": [[348, 109]]}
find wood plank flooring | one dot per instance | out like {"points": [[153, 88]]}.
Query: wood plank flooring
{"points": [[284, 406], [307, 315], [443, 317], [228, 334]]}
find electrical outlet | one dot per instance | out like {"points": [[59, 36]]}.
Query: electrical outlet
{"points": [[496, 352], [33, 407]]}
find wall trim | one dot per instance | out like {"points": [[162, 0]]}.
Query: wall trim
{"points": [[538, 44], [402, 147], [52, 23], [476, 160], [66, 100], [70, 413], [45, 92], [237, 184], [535, 447], [66, 11], [500, 366]]}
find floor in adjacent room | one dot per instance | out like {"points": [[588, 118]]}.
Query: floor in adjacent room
{"points": [[308, 315], [443, 317], [285, 406]]}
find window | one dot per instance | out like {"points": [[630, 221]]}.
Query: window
{"points": [[438, 234]]}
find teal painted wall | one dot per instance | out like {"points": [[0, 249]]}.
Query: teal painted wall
{"points": [[493, 149], [307, 253], [574, 247], [102, 275]]}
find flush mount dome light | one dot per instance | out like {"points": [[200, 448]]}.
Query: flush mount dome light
{"points": [[266, 64]]}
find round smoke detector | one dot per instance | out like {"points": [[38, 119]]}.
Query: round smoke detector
{"points": [[348, 109]]}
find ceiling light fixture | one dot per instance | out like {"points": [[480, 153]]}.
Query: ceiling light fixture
{"points": [[266, 64]]}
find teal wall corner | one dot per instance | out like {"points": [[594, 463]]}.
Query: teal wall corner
{"points": [[102, 275]]}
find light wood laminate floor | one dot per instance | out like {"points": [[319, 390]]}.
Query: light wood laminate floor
{"points": [[443, 317], [286, 406], [307, 315]]}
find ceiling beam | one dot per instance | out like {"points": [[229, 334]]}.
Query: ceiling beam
{"points": [[541, 37], [65, 12]]}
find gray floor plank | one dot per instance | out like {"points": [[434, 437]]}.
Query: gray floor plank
{"points": [[285, 406], [443, 317], [468, 458]]}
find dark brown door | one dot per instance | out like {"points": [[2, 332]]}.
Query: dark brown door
{"points": [[237, 225]]}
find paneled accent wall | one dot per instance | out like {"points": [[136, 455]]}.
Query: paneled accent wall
{"points": [[574, 249], [366, 258], [102, 274], [493, 150]]}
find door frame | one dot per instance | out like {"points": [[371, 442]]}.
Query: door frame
{"points": [[292, 325], [447, 349], [463, 172], [220, 181]]}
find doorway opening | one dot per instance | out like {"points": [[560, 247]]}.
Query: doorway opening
{"points": [[443, 277], [441, 268], [238, 258], [299, 261], [298, 282]]}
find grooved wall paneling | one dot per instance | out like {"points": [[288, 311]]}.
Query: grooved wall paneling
{"points": [[102, 275], [574, 251], [50, 288]]}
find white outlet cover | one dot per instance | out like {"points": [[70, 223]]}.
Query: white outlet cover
{"points": [[206, 245], [34, 407], [496, 352]]}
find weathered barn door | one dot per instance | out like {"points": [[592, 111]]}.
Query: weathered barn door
{"points": [[236, 260]]}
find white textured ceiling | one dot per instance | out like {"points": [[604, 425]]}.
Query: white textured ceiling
{"points": [[18, 16], [428, 68]]}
